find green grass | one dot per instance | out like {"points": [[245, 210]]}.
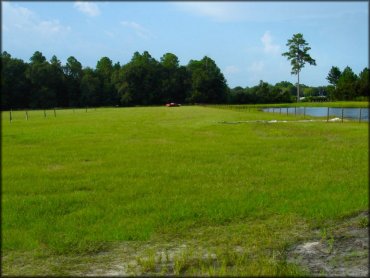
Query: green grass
{"points": [[81, 182]]}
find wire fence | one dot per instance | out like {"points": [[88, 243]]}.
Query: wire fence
{"points": [[342, 113], [352, 114], [28, 114]]}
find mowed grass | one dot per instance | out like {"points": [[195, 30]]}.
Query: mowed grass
{"points": [[82, 181]]}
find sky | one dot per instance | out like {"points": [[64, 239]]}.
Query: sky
{"points": [[245, 39]]}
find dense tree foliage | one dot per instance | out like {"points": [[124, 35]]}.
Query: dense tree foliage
{"points": [[175, 79], [145, 81], [347, 85], [363, 88], [208, 84], [41, 75], [14, 83], [334, 75], [73, 72], [90, 88], [264, 92]]}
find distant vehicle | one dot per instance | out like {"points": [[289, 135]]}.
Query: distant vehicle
{"points": [[172, 104]]}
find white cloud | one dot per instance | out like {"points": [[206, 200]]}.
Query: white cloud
{"points": [[256, 71], [268, 46], [216, 10], [138, 29], [51, 27], [231, 69], [88, 8], [256, 67], [20, 19]]}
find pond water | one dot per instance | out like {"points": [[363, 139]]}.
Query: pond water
{"points": [[348, 113]]}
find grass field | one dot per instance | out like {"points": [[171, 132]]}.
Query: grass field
{"points": [[84, 182]]}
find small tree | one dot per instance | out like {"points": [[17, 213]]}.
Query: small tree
{"points": [[298, 55], [333, 76], [347, 85]]}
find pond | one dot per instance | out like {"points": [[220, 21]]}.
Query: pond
{"points": [[348, 113]]}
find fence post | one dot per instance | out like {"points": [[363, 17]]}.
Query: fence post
{"points": [[26, 115], [304, 112], [10, 115], [342, 114], [359, 120], [327, 115]]}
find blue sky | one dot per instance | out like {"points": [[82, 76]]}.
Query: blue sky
{"points": [[245, 39]]}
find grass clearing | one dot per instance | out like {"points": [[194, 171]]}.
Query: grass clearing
{"points": [[81, 183]]}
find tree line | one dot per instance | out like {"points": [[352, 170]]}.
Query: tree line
{"points": [[346, 85], [142, 81], [145, 81]]}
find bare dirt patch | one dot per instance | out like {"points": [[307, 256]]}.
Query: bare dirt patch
{"points": [[341, 251]]}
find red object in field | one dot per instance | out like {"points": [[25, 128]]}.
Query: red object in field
{"points": [[172, 104]]}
